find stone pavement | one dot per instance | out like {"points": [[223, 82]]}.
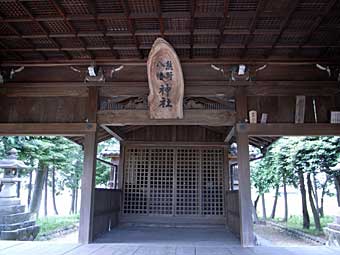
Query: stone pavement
{"points": [[50, 248]]}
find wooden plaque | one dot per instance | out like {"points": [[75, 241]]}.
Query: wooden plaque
{"points": [[166, 83]]}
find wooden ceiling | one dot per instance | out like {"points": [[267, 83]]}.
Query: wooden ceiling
{"points": [[69, 30]]}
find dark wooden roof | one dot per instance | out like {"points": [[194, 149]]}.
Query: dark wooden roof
{"points": [[65, 30]]}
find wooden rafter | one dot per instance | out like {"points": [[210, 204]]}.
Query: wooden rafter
{"points": [[160, 18], [317, 22], [192, 26], [131, 25], [287, 17], [92, 7], [61, 12], [222, 27], [260, 6], [15, 31], [43, 29], [114, 132]]}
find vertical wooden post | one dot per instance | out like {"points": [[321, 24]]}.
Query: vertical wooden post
{"points": [[121, 167], [87, 189], [245, 203], [89, 172]]}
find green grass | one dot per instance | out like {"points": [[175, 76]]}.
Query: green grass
{"points": [[53, 223], [295, 222]]}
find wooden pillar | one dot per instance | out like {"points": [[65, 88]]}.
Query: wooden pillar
{"points": [[89, 173], [245, 203], [87, 189]]}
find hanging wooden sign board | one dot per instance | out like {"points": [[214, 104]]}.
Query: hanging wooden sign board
{"points": [[166, 83]]}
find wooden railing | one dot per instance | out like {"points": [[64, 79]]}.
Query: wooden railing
{"points": [[106, 210], [232, 211]]}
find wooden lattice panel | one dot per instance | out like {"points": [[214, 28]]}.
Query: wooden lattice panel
{"points": [[212, 182], [136, 181], [188, 182], [174, 181], [161, 181]]}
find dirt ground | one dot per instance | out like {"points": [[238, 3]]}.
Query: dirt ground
{"points": [[269, 236]]}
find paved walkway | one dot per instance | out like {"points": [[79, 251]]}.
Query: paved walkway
{"points": [[49, 248], [175, 236]]}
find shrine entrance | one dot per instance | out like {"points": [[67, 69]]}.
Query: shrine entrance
{"points": [[174, 184]]}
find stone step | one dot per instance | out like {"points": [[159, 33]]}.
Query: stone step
{"points": [[9, 201], [11, 209], [15, 218], [22, 234], [334, 226], [8, 227]]}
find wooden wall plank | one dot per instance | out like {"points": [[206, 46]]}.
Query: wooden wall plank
{"points": [[191, 117], [182, 134]]}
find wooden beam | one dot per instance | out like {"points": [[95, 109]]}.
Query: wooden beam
{"points": [[230, 135], [87, 189], [290, 129], [286, 61], [191, 117], [64, 129], [114, 132], [245, 203], [36, 91], [201, 88]]}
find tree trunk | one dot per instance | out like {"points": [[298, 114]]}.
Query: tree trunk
{"points": [[72, 201], [256, 218], [272, 216], [45, 189], [285, 217], [312, 204], [37, 191], [264, 214], [29, 192], [337, 187], [306, 220], [315, 194], [76, 201], [256, 201], [323, 193], [53, 192]]}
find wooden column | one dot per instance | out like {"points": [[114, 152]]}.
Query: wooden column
{"points": [[89, 173], [87, 189], [245, 203]]}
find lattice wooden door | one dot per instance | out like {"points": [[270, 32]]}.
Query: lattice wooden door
{"points": [[172, 181]]}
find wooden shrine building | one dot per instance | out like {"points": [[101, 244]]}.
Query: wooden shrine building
{"points": [[247, 71]]}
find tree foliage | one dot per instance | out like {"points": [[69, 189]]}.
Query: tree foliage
{"points": [[288, 157]]}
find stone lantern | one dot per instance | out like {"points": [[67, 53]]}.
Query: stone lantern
{"points": [[15, 222], [10, 178], [332, 230]]}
